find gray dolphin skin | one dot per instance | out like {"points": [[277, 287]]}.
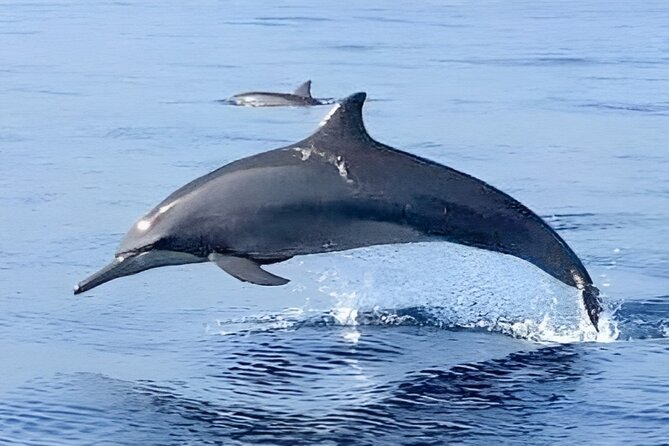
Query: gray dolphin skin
{"points": [[299, 98], [338, 189]]}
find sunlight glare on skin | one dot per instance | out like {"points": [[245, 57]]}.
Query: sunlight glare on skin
{"points": [[167, 207], [329, 115], [143, 225]]}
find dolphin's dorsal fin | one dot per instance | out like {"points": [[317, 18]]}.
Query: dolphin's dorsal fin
{"points": [[344, 121], [303, 90]]}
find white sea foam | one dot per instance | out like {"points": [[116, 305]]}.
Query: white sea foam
{"points": [[454, 286]]}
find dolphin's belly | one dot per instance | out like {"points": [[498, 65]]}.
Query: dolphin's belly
{"points": [[294, 234]]}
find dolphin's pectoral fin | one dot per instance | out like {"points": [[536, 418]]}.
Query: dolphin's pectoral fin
{"points": [[246, 270]]}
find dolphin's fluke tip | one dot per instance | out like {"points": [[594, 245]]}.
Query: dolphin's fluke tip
{"points": [[593, 304], [77, 289]]}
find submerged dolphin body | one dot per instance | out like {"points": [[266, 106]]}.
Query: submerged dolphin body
{"points": [[300, 97], [337, 189]]}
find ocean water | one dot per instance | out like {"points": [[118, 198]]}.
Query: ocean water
{"points": [[108, 106]]}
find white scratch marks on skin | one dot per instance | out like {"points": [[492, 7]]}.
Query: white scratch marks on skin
{"points": [[305, 153], [329, 244], [336, 160], [340, 164], [580, 283], [329, 115]]}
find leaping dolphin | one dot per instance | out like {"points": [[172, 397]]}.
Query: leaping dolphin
{"points": [[338, 189], [300, 97]]}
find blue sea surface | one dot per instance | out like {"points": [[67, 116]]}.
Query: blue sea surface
{"points": [[108, 106]]}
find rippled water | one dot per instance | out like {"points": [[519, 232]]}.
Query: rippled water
{"points": [[108, 106]]}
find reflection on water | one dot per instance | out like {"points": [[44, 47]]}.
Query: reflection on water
{"points": [[311, 386]]}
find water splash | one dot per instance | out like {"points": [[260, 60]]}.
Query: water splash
{"points": [[445, 285]]}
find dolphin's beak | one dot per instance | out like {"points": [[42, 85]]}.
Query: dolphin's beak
{"points": [[133, 263], [121, 266]]}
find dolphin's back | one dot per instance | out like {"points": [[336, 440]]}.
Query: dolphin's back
{"points": [[441, 201]]}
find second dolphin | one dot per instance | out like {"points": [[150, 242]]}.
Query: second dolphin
{"points": [[299, 98]]}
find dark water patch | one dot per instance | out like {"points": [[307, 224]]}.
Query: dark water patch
{"points": [[587, 221], [352, 47], [51, 6], [656, 266], [261, 23], [466, 402], [18, 33], [584, 221], [642, 157], [187, 137], [382, 19], [151, 36], [47, 92], [471, 402], [493, 383], [653, 109], [257, 381], [531, 61], [626, 78], [200, 65], [140, 133], [297, 19], [10, 137], [187, 102], [33, 199], [643, 319]]}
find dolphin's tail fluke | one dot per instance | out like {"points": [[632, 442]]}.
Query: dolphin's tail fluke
{"points": [[593, 304]]}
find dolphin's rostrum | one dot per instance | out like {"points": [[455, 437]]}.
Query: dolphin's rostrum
{"points": [[338, 189]]}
